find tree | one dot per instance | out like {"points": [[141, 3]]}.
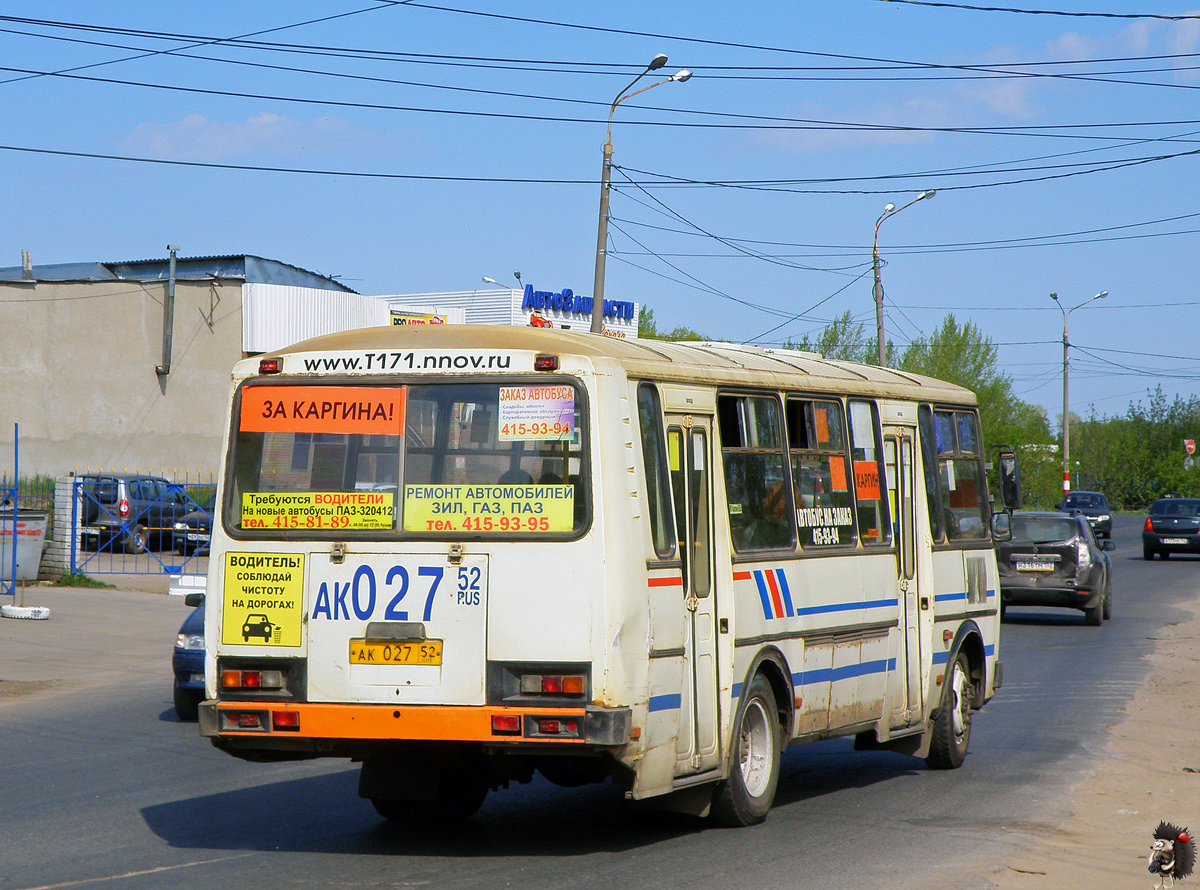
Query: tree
{"points": [[648, 330], [841, 340], [961, 354]]}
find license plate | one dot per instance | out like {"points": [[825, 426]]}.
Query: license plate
{"points": [[1174, 540], [1031, 566], [393, 652]]}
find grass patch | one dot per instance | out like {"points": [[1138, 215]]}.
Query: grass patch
{"points": [[80, 581]]}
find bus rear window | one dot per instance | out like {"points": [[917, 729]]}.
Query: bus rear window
{"points": [[448, 459]]}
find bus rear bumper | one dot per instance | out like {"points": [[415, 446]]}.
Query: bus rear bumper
{"points": [[319, 728]]}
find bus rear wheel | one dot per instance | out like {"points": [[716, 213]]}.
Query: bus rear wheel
{"points": [[952, 728], [745, 797]]}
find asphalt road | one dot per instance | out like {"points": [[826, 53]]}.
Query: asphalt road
{"points": [[103, 787]]}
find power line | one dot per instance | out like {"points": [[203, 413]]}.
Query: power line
{"points": [[209, 41], [1058, 12]]}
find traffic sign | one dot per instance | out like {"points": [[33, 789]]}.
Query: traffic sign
{"points": [[1189, 445]]}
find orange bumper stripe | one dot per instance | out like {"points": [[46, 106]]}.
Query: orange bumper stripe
{"points": [[424, 723]]}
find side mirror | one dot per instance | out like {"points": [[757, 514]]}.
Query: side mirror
{"points": [[1109, 545], [1008, 474], [197, 599], [1002, 526]]}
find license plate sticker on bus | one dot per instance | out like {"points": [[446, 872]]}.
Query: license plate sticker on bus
{"points": [[419, 652], [1030, 565]]}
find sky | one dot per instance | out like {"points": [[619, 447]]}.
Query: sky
{"points": [[417, 147]]}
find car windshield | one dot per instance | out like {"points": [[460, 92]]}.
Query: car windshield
{"points": [[1042, 529], [1084, 500], [1178, 507]]}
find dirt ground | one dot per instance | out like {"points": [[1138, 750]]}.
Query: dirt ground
{"points": [[1151, 773]]}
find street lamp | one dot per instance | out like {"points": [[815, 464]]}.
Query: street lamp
{"points": [[605, 174], [488, 279], [889, 210], [1066, 424]]}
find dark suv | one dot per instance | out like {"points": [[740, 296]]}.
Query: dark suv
{"points": [[134, 513], [1173, 526], [1094, 506]]}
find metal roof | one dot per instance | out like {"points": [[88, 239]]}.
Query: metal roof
{"points": [[244, 266]]}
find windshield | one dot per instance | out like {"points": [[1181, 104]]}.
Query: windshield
{"points": [[1042, 529], [1084, 501], [1176, 507], [444, 459]]}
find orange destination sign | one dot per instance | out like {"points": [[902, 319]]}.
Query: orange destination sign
{"points": [[366, 410]]}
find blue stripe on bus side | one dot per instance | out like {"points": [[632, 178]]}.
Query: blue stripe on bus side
{"points": [[672, 702], [764, 595], [846, 607], [855, 670], [846, 672], [947, 597]]}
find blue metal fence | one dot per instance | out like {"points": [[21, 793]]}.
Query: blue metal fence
{"points": [[139, 523]]}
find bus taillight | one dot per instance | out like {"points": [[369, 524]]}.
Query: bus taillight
{"points": [[553, 684], [506, 724], [251, 679], [286, 721], [547, 726]]}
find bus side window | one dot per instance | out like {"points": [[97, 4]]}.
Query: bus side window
{"points": [[654, 459], [960, 474], [820, 473], [761, 515], [870, 475], [929, 461]]}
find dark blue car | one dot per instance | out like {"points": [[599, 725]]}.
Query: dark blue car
{"points": [[188, 661]]}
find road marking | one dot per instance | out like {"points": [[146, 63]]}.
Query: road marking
{"points": [[135, 874]]}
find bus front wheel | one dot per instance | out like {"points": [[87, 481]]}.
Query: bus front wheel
{"points": [[744, 798], [952, 728]]}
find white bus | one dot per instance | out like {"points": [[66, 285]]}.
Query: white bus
{"points": [[462, 555]]}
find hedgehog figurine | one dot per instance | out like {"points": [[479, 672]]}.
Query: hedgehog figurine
{"points": [[1172, 855]]}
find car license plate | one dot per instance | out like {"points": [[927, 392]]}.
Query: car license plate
{"points": [[1174, 540], [1024, 565], [396, 652]]}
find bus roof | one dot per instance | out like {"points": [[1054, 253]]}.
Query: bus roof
{"points": [[718, 363]]}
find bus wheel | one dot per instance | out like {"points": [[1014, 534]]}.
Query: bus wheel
{"points": [[952, 729], [744, 798], [459, 797]]}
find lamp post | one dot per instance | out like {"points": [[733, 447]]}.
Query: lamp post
{"points": [[889, 210], [1066, 424], [606, 173]]}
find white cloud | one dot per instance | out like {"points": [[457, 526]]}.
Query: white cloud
{"points": [[196, 138]]}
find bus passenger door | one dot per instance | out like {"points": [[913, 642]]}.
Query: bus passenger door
{"points": [[689, 457], [902, 481]]}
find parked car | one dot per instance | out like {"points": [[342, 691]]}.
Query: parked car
{"points": [[1173, 526], [133, 513], [1054, 559], [187, 662], [193, 531], [1094, 506]]}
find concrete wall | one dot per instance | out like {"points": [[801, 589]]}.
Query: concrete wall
{"points": [[78, 360]]}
